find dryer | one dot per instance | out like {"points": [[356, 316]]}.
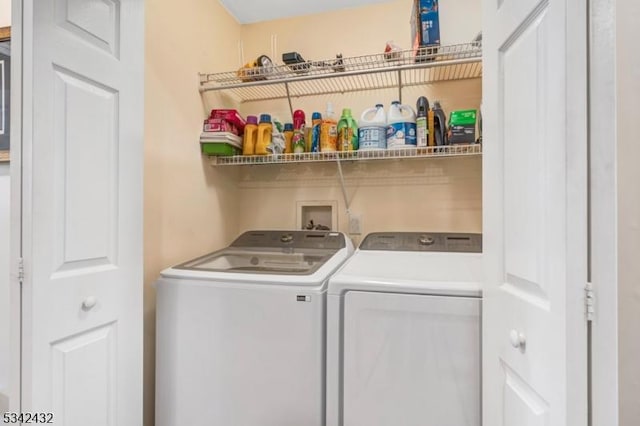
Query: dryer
{"points": [[241, 332], [404, 332]]}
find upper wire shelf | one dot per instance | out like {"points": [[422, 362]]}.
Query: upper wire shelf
{"points": [[343, 75], [362, 155]]}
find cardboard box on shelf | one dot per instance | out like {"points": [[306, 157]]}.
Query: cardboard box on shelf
{"points": [[429, 23], [425, 29]]}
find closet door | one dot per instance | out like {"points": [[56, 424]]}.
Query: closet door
{"points": [[535, 212], [82, 157]]}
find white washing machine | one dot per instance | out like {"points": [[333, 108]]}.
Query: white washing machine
{"points": [[241, 332], [404, 332]]}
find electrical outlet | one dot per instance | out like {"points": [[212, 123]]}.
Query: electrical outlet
{"points": [[355, 224]]}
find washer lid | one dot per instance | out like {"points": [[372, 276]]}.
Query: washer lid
{"points": [[272, 252]]}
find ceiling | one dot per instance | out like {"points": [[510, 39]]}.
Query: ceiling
{"points": [[251, 11]]}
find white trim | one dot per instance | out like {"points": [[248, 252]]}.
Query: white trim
{"points": [[603, 209], [17, 96], [576, 211]]}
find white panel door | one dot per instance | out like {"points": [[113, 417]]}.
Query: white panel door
{"points": [[535, 213], [82, 211]]}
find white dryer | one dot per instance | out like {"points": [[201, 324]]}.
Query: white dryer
{"points": [[404, 332], [241, 332]]}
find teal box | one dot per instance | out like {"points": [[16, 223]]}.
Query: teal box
{"points": [[429, 23]]}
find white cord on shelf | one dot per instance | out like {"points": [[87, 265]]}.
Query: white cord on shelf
{"points": [[344, 189]]}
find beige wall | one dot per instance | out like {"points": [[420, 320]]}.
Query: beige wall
{"points": [[5, 13], [189, 206], [628, 155]]}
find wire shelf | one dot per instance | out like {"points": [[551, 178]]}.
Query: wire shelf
{"points": [[343, 75], [319, 157]]}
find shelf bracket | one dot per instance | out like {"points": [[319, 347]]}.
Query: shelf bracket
{"points": [[286, 87]]}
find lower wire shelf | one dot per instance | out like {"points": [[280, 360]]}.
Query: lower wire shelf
{"points": [[318, 157]]}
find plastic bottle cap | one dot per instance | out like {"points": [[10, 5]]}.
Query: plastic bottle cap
{"points": [[265, 118], [346, 112], [316, 116], [329, 108], [379, 106], [288, 127], [395, 103], [252, 119]]}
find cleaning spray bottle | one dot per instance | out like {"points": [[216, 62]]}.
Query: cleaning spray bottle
{"points": [[422, 128]]}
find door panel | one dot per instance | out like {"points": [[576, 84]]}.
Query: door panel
{"points": [[82, 211], [84, 373], [97, 24], [535, 215], [522, 405], [86, 151]]}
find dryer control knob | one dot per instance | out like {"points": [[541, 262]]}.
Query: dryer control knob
{"points": [[426, 240]]}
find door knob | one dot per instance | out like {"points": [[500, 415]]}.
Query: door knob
{"points": [[518, 340], [89, 303]]}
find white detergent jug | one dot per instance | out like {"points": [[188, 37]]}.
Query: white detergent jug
{"points": [[401, 126], [372, 131]]}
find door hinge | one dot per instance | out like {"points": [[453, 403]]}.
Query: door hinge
{"points": [[21, 270], [589, 299]]}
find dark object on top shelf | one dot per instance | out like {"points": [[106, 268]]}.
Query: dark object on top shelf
{"points": [[298, 65]]}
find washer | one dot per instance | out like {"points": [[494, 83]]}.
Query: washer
{"points": [[241, 332], [404, 327]]}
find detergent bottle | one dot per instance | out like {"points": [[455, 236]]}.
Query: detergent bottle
{"points": [[347, 132], [439, 125], [298, 131], [264, 134], [329, 131], [250, 135], [372, 133], [316, 122], [288, 138], [401, 126]]}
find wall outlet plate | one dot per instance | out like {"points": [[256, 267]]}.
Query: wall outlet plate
{"points": [[355, 224]]}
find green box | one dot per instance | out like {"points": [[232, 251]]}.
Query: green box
{"points": [[462, 127], [219, 149]]}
